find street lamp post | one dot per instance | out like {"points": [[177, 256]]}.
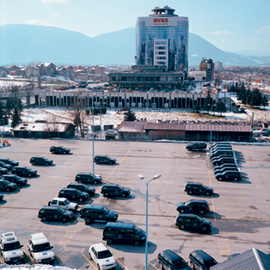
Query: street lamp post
{"points": [[93, 134], [210, 139], [146, 215]]}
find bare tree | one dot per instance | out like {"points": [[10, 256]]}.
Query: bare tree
{"points": [[78, 116]]}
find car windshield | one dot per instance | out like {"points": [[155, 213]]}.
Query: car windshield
{"points": [[104, 254], [11, 246], [66, 201], [106, 210], [210, 263], [137, 230], [179, 263], [41, 247]]}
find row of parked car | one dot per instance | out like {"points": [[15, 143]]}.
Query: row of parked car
{"points": [[225, 162]]}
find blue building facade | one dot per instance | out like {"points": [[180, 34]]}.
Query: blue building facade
{"points": [[162, 40]]}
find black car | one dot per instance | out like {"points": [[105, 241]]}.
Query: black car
{"points": [[24, 171], [228, 168], [1, 197], [200, 260], [73, 194], [59, 150], [198, 189], [92, 213], [10, 161], [88, 178], [199, 207], [193, 222], [14, 179], [3, 171], [55, 214], [224, 166], [90, 190], [114, 191], [7, 186], [5, 165], [223, 160], [104, 160], [229, 176], [41, 161], [168, 259], [196, 146]]}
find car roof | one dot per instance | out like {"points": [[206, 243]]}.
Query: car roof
{"points": [[197, 201], [8, 237], [99, 247], [59, 199], [120, 225], [188, 215], [172, 254], [205, 256], [91, 206], [38, 238]]}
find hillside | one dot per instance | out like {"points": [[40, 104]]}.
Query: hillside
{"points": [[25, 44]]}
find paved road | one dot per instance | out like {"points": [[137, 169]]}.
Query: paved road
{"points": [[239, 211]]}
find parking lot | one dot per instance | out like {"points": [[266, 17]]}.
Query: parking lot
{"points": [[239, 211]]}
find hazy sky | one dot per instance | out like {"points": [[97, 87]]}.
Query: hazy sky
{"points": [[231, 25]]}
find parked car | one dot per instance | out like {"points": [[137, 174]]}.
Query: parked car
{"points": [[73, 194], [112, 190], [193, 222], [59, 150], [200, 207], [224, 166], [104, 160], [200, 260], [3, 171], [41, 161], [123, 232], [92, 213], [1, 197], [88, 178], [24, 171], [219, 144], [228, 168], [14, 179], [168, 259], [10, 161], [11, 248], [40, 249], [5, 165], [198, 189], [102, 256], [82, 187], [63, 203], [7, 186], [223, 160], [199, 146], [51, 213], [229, 176], [222, 152]]}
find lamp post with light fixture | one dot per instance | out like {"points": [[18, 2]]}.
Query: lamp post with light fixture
{"points": [[146, 215]]}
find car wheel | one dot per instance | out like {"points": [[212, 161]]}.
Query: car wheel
{"points": [[110, 162], [8, 189], [109, 241], [97, 162], [98, 267], [89, 220], [81, 199], [136, 243], [46, 163], [106, 194], [90, 257], [207, 193], [189, 192], [161, 266], [202, 212], [29, 174], [204, 229], [124, 195], [235, 179], [219, 178], [182, 227], [64, 220], [43, 218], [95, 182], [182, 211]]}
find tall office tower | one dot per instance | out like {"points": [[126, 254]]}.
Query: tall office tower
{"points": [[208, 66], [162, 40]]}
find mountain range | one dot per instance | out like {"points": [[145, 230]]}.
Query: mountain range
{"points": [[24, 44]]}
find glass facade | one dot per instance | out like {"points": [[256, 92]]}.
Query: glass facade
{"points": [[176, 33]]}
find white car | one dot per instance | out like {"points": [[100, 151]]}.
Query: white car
{"points": [[11, 249], [102, 257], [40, 249], [64, 204]]}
